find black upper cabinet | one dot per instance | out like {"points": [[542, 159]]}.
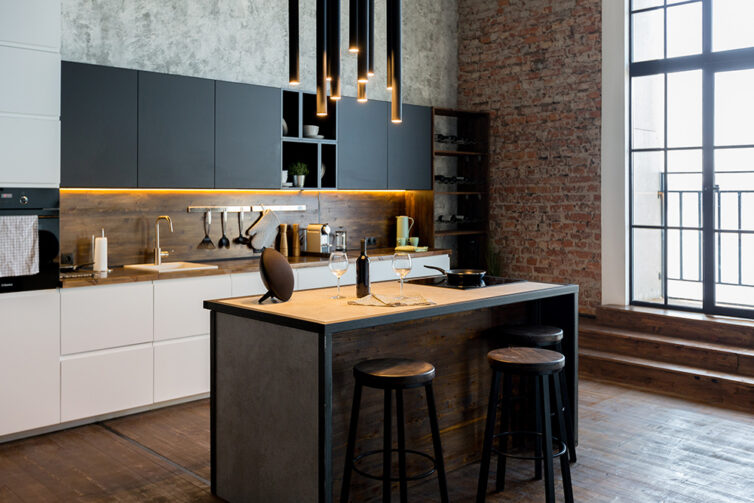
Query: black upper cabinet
{"points": [[410, 150], [176, 131], [362, 144], [98, 126], [247, 136]]}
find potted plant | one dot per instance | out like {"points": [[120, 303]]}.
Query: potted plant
{"points": [[298, 170]]}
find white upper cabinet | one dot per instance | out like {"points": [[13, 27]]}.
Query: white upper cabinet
{"points": [[179, 305], [33, 23], [29, 151], [29, 354], [29, 82]]}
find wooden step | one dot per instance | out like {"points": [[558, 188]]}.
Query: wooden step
{"points": [[699, 354], [716, 388], [692, 326]]}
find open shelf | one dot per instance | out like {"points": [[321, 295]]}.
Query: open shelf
{"points": [[460, 232], [458, 152]]}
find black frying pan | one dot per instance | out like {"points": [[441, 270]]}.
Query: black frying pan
{"points": [[461, 277]]}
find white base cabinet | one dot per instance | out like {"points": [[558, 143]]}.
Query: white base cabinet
{"points": [[382, 270], [179, 305], [246, 284], [106, 381], [181, 368], [29, 372]]}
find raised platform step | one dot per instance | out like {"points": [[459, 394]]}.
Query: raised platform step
{"points": [[699, 354], [691, 326], [716, 388]]}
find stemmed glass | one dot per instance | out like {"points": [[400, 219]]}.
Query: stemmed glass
{"points": [[402, 266], [338, 265]]}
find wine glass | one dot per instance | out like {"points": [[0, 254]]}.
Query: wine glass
{"points": [[402, 266], [338, 265]]}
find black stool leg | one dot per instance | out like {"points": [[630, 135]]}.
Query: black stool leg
{"points": [[547, 440], [345, 488], [387, 445], [503, 445], [489, 429], [567, 410], [439, 462], [565, 468], [401, 420], [538, 421]]}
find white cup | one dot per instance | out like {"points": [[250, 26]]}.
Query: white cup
{"points": [[284, 178], [310, 130]]}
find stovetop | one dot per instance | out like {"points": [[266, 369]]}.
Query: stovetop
{"points": [[442, 282]]}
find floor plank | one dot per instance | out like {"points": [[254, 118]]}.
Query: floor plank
{"points": [[635, 446]]}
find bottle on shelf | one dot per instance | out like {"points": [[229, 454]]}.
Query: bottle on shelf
{"points": [[362, 272]]}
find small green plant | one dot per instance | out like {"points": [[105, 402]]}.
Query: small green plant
{"points": [[298, 168]]}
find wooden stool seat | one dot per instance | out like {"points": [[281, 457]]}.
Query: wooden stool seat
{"points": [[526, 360], [534, 335], [393, 373]]}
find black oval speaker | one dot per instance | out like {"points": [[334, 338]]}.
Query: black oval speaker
{"points": [[277, 275]]}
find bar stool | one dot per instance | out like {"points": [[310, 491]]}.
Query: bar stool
{"points": [[394, 374], [544, 336], [543, 365]]}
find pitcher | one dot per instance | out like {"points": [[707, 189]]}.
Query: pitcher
{"points": [[404, 225]]}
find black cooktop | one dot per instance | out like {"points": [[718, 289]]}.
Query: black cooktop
{"points": [[442, 281]]}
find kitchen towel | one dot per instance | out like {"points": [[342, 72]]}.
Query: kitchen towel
{"points": [[265, 229], [391, 301], [19, 245]]}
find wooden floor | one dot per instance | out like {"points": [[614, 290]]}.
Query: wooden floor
{"points": [[635, 447]]}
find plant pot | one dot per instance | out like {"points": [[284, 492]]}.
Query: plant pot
{"points": [[299, 180]]}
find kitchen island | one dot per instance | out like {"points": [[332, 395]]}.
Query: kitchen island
{"points": [[281, 379]]}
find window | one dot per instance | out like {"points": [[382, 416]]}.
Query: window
{"points": [[692, 155]]}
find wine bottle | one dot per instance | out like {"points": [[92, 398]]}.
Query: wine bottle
{"points": [[362, 272]]}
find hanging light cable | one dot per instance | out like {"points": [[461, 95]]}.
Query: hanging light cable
{"points": [[333, 51], [362, 59], [294, 73], [396, 108], [353, 26], [370, 66], [321, 57]]}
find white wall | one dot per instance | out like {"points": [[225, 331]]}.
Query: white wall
{"points": [[615, 253]]}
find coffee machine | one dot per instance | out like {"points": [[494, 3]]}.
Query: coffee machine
{"points": [[318, 239]]}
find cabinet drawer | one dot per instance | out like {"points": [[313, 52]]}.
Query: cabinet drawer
{"points": [[179, 305], [29, 360], [105, 316], [246, 284], [29, 82], [181, 368], [322, 277], [106, 381]]}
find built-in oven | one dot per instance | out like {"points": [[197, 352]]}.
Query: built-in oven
{"points": [[45, 205]]}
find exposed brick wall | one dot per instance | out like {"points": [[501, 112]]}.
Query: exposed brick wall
{"points": [[535, 65]]}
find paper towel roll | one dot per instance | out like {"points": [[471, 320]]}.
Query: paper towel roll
{"points": [[100, 254]]}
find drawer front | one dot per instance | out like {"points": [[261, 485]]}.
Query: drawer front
{"points": [[29, 360], [29, 82], [321, 277], [179, 305], [106, 381], [181, 368], [105, 316], [246, 284]]}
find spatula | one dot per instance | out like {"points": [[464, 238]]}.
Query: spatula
{"points": [[241, 239], [207, 243], [224, 241]]}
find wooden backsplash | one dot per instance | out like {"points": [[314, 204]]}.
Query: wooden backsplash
{"points": [[128, 218]]}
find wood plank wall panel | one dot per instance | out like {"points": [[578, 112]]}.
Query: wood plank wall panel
{"points": [[128, 218], [461, 388]]}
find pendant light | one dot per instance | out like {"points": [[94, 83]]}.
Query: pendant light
{"points": [[396, 107], [361, 92], [362, 59], [370, 66], [333, 50], [294, 73], [322, 57], [353, 26]]}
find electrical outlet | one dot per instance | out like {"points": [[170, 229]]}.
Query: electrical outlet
{"points": [[371, 241], [66, 259]]}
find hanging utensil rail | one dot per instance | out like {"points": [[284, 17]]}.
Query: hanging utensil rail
{"points": [[246, 209]]}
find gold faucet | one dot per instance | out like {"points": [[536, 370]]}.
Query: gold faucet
{"points": [[158, 253]]}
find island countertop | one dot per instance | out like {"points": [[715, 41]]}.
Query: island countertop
{"points": [[315, 310]]}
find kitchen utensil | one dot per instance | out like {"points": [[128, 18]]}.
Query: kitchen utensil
{"points": [[277, 275], [464, 277], [241, 239], [340, 242], [338, 265], [403, 228], [207, 243], [310, 130], [224, 241], [401, 267], [414, 241]]}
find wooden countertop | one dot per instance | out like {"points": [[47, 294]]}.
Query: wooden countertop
{"points": [[122, 275], [315, 310]]}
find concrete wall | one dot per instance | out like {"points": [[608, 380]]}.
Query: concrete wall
{"points": [[247, 41]]}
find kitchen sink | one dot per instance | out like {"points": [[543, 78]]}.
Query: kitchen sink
{"points": [[171, 267]]}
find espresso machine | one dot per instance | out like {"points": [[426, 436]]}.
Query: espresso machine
{"points": [[318, 239]]}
